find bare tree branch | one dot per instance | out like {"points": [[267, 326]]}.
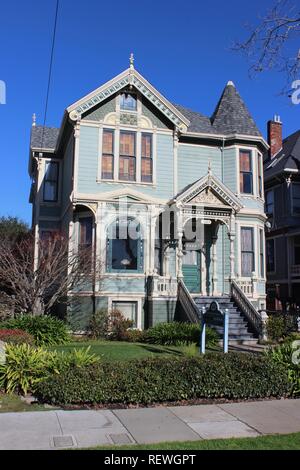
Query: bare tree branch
{"points": [[267, 46], [37, 285]]}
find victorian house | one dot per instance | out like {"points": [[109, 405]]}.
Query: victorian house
{"points": [[170, 200], [282, 194]]}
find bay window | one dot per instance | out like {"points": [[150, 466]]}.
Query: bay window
{"points": [[260, 176], [51, 182], [127, 159], [124, 246], [261, 253], [246, 175], [247, 251]]}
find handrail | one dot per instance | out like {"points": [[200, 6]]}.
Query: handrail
{"points": [[187, 302], [246, 307]]}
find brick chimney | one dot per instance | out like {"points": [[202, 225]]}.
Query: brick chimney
{"points": [[274, 135]]}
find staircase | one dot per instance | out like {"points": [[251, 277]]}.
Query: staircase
{"points": [[240, 331]]}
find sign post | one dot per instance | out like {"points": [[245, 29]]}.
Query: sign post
{"points": [[214, 316]]}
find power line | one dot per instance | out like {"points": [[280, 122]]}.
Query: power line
{"points": [[50, 71]]}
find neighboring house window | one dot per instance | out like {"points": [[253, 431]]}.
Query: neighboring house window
{"points": [[128, 102], [127, 156], [128, 309], [297, 250], [261, 253], [108, 154], [270, 245], [124, 246], [51, 182], [270, 202], [146, 153], [246, 176], [296, 199], [247, 251], [260, 177]]}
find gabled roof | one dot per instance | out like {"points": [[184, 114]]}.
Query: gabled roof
{"points": [[198, 122], [129, 78], [288, 158], [187, 194], [231, 115], [43, 137]]}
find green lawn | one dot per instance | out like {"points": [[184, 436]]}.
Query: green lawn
{"points": [[120, 351], [276, 442]]}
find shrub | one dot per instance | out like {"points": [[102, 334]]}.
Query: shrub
{"points": [[16, 336], [230, 376], [26, 366], [280, 326], [118, 326], [134, 336], [286, 355], [176, 333], [98, 326], [45, 329]]}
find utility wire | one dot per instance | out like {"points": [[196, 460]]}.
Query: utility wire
{"points": [[50, 72]]}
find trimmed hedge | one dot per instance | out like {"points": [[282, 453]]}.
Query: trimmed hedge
{"points": [[177, 333], [231, 376]]}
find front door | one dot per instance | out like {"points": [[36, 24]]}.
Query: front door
{"points": [[191, 269]]}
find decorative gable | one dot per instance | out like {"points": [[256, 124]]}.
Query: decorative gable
{"points": [[130, 78], [211, 191]]}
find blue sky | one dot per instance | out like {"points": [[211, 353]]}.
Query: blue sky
{"points": [[182, 48]]}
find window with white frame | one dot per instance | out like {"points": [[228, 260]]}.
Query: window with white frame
{"points": [[260, 174], [261, 253], [247, 251], [146, 155], [128, 102], [50, 193], [107, 171], [246, 172], [127, 158], [296, 198], [128, 309]]}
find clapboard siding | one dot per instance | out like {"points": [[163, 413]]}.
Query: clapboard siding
{"points": [[193, 163]]}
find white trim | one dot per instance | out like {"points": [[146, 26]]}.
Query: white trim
{"points": [[127, 298]]}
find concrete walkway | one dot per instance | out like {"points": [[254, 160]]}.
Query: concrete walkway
{"points": [[57, 429]]}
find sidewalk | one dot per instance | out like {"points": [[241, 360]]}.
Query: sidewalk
{"points": [[59, 429]]}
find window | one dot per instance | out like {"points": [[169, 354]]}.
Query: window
{"points": [[246, 172], [261, 253], [124, 247], [51, 182], [128, 102], [297, 250], [85, 232], [270, 245], [108, 154], [128, 309], [270, 202], [247, 251], [127, 156], [146, 158], [296, 198], [259, 173]]}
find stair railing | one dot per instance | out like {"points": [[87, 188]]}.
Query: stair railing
{"points": [[187, 303], [247, 308]]}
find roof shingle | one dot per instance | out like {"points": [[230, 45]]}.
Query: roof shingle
{"points": [[44, 137]]}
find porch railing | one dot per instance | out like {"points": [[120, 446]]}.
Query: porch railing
{"points": [[247, 308], [246, 286], [187, 303], [162, 286]]}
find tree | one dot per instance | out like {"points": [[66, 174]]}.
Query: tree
{"points": [[269, 46], [12, 228], [36, 283]]}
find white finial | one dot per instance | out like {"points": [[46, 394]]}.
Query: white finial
{"points": [[34, 119], [230, 83], [131, 61]]}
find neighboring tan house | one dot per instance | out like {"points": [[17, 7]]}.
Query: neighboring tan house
{"points": [[282, 194], [126, 157]]}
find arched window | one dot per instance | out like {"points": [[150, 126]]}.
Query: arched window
{"points": [[124, 246]]}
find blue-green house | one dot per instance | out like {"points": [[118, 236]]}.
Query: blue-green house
{"points": [[171, 202]]}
